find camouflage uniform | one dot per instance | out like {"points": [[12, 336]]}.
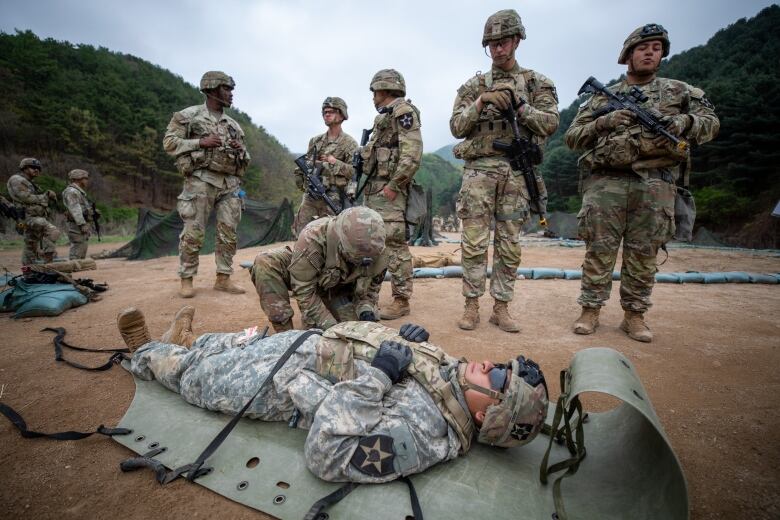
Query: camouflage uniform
{"points": [[392, 156], [212, 181], [79, 214], [629, 190], [40, 235], [334, 177], [327, 287], [363, 428], [491, 190]]}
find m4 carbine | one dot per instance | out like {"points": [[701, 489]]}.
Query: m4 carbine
{"points": [[357, 162], [314, 186], [631, 101], [523, 154]]}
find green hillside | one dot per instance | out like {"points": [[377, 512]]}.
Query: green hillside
{"points": [[444, 178], [80, 106], [445, 152], [736, 177]]}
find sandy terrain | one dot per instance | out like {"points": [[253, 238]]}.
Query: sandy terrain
{"points": [[712, 375]]}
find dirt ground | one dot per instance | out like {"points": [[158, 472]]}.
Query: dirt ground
{"points": [[711, 373]]}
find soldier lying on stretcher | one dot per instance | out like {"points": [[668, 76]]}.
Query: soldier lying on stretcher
{"points": [[378, 403]]}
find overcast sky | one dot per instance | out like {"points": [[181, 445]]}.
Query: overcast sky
{"points": [[287, 56]]}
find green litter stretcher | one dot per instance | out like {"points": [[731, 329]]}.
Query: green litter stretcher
{"points": [[630, 471]]}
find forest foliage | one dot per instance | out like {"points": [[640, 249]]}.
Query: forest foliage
{"points": [[81, 106]]}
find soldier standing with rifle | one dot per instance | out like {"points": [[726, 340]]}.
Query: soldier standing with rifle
{"points": [[331, 155], [40, 235], [630, 165], [211, 153], [391, 158], [493, 185], [80, 213]]}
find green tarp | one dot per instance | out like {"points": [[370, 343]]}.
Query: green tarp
{"points": [[157, 234]]}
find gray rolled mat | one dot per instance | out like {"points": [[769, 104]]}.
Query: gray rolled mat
{"points": [[630, 470]]}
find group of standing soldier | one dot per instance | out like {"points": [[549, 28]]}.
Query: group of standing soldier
{"points": [[34, 211], [335, 268]]}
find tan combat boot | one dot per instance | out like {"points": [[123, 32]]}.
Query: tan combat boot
{"points": [[470, 317], [502, 318], [223, 283], [588, 321], [399, 307], [132, 327], [180, 331], [281, 327], [186, 290], [634, 325]]}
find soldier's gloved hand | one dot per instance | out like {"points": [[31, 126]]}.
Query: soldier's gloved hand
{"points": [[678, 124], [393, 359], [502, 99], [614, 119], [367, 316], [84, 228], [415, 333], [51, 195], [299, 181]]}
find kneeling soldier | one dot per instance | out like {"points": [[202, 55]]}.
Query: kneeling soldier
{"points": [[334, 270]]}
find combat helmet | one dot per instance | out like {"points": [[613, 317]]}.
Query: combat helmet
{"points": [[30, 162], [502, 24], [213, 79], [337, 103], [361, 234], [77, 174], [522, 404], [388, 79], [650, 31]]}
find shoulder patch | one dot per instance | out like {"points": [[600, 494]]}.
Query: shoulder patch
{"points": [[406, 121], [374, 455]]}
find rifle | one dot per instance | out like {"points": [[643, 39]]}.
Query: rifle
{"points": [[95, 218], [9, 210], [357, 162], [523, 154], [631, 102], [314, 186]]}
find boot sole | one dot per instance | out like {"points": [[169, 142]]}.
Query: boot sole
{"points": [[393, 316]]}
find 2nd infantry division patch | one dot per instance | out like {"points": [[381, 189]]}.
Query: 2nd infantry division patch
{"points": [[374, 455], [406, 121]]}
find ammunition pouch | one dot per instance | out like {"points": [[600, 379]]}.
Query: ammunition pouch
{"points": [[219, 160], [386, 161]]}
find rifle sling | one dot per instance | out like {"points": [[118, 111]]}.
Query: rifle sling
{"points": [[117, 357], [69, 435]]}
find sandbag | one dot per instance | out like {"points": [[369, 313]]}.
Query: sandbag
{"points": [[692, 277], [29, 300], [545, 273], [764, 278], [572, 274], [737, 277], [667, 278]]}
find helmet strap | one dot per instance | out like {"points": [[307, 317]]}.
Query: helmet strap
{"points": [[465, 385]]}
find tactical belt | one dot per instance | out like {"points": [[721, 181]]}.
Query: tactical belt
{"points": [[663, 174]]}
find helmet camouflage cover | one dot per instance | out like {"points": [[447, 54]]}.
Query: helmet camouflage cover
{"points": [[361, 233], [522, 406], [77, 174], [30, 162], [214, 78], [650, 31], [337, 103], [388, 79], [502, 24]]}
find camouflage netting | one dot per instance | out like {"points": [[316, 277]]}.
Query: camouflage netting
{"points": [[157, 234]]}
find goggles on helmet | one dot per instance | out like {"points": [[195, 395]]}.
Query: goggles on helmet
{"points": [[652, 29]]}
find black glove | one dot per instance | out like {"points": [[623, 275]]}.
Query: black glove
{"points": [[367, 316], [393, 359], [415, 333]]}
